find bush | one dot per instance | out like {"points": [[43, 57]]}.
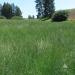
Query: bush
{"points": [[17, 17], [60, 16], [2, 17]]}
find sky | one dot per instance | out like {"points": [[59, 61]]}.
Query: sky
{"points": [[28, 6]]}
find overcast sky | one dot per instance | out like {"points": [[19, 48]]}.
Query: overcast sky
{"points": [[28, 6]]}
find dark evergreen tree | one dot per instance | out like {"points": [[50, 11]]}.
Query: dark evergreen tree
{"points": [[48, 8], [31, 17], [18, 11], [10, 10], [0, 9], [6, 10], [45, 8], [39, 8], [13, 9]]}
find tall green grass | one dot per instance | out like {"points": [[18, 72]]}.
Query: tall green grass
{"points": [[33, 47]]}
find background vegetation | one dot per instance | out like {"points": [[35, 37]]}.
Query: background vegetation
{"points": [[9, 10], [59, 16]]}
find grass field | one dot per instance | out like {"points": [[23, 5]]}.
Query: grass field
{"points": [[33, 47]]}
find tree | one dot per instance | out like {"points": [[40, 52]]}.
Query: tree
{"points": [[6, 10], [48, 8], [0, 9], [18, 11], [31, 17], [45, 8], [39, 8], [13, 9], [10, 10]]}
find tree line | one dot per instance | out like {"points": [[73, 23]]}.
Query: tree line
{"points": [[45, 9], [9, 10]]}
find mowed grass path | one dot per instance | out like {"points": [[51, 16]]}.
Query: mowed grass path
{"points": [[33, 47]]}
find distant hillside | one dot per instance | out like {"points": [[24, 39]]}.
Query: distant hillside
{"points": [[71, 14]]}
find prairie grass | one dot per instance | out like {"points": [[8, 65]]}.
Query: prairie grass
{"points": [[34, 47]]}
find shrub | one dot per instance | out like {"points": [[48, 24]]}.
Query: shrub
{"points": [[17, 17], [60, 16], [2, 17]]}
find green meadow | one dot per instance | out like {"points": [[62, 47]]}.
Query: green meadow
{"points": [[34, 47]]}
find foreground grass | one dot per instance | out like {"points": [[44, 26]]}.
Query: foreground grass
{"points": [[32, 47]]}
